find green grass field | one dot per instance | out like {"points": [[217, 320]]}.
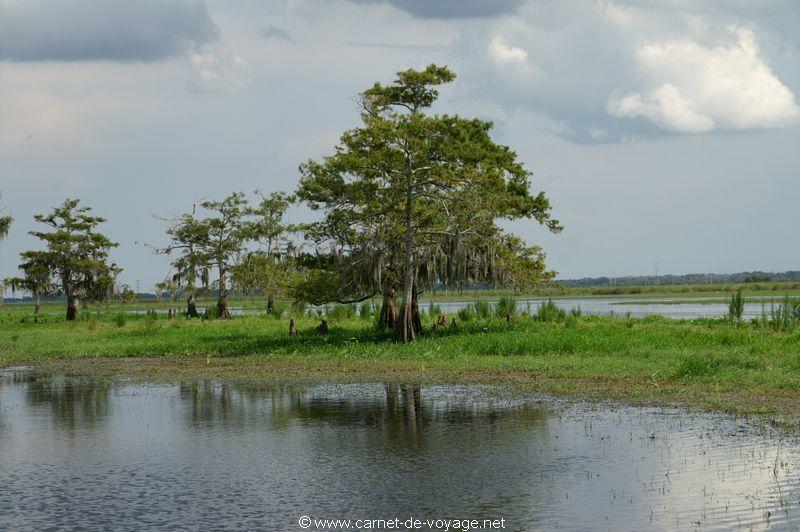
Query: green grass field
{"points": [[710, 363]]}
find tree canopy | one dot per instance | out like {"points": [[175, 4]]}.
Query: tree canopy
{"points": [[410, 198], [223, 239], [75, 255], [5, 224]]}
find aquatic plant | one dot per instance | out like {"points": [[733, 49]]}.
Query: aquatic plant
{"points": [[506, 306], [549, 311], [465, 314], [736, 307], [365, 311], [481, 309]]}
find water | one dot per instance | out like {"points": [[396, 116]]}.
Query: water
{"points": [[81, 452], [674, 308]]}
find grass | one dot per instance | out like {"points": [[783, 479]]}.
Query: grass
{"points": [[259, 304], [706, 362]]}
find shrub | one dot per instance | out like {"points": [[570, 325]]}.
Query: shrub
{"points": [[278, 311], [549, 311], [340, 312], [120, 319], [693, 366], [298, 308], [736, 307], [576, 312], [434, 310], [506, 305], [465, 314], [365, 311], [482, 309]]}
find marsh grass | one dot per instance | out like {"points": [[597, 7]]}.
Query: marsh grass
{"points": [[576, 351], [548, 311], [506, 306]]}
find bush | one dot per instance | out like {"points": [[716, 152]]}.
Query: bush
{"points": [[365, 311], [465, 314], [507, 305], [549, 311], [736, 307], [340, 312], [434, 310], [298, 308], [481, 309], [576, 312], [693, 366], [278, 311], [120, 319]]}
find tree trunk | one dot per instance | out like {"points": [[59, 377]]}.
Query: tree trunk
{"points": [[388, 315], [72, 307], [416, 321], [36, 309], [270, 304], [191, 306], [222, 301], [404, 328]]}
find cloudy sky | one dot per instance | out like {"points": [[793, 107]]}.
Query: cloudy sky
{"points": [[664, 131]]}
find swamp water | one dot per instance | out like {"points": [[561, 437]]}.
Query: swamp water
{"points": [[87, 453]]}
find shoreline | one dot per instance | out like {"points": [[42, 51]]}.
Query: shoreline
{"points": [[634, 390]]}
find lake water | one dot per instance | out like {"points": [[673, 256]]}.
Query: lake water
{"points": [[82, 452], [675, 308], [712, 307]]}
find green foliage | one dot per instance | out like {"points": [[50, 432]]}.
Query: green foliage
{"points": [[298, 308], [695, 367], [340, 313], [75, 255], [434, 310], [576, 312], [415, 198], [365, 311], [279, 311], [506, 306], [316, 286], [481, 309], [211, 313], [120, 319], [5, 224], [465, 314], [548, 311], [736, 307]]}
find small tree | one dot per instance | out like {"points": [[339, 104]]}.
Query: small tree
{"points": [[186, 235], [36, 279], [5, 224], [223, 238], [126, 294], [269, 269], [76, 255], [736, 307]]}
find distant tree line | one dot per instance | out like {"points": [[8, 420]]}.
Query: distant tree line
{"points": [[690, 278]]}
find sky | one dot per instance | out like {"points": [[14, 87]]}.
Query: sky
{"points": [[666, 133]]}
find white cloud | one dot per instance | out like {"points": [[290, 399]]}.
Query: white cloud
{"points": [[503, 53], [694, 88], [218, 72], [666, 107]]}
